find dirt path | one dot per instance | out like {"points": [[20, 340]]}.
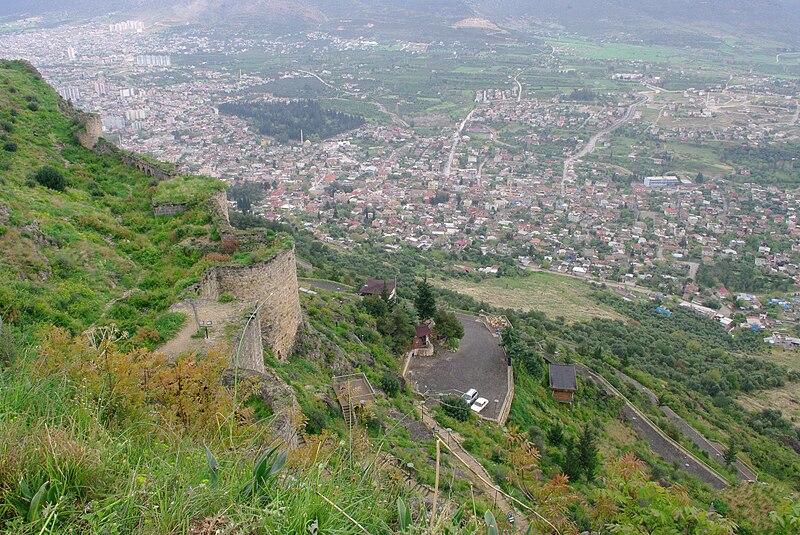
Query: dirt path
{"points": [[197, 310]]}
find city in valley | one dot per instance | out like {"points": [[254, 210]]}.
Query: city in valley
{"points": [[665, 173], [381, 266]]}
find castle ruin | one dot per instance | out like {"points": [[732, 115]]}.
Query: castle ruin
{"points": [[272, 286]]}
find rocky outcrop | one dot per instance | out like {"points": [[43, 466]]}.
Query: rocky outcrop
{"points": [[288, 422]]}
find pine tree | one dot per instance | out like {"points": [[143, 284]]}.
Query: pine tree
{"points": [[729, 455], [587, 452], [424, 301], [572, 466]]}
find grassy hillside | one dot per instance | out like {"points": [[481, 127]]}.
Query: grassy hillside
{"points": [[102, 435], [551, 294], [94, 251]]}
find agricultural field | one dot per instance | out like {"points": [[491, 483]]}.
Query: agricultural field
{"points": [[551, 294], [785, 399]]}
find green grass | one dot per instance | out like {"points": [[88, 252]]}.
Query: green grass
{"points": [[555, 295], [185, 189], [69, 257], [142, 476]]}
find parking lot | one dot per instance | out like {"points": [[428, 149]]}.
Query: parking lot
{"points": [[479, 363]]}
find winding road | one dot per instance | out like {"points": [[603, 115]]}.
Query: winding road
{"points": [[519, 87], [456, 139], [395, 118], [589, 147]]}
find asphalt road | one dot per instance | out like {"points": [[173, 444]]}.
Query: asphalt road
{"points": [[479, 363], [325, 285]]}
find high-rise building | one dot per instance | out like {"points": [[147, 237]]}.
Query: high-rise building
{"points": [[113, 122], [127, 26], [100, 87], [150, 60], [135, 115], [70, 93]]}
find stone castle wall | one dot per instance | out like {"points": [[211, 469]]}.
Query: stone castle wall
{"points": [[92, 131], [169, 209], [248, 239], [219, 210], [273, 285], [136, 162], [248, 347]]}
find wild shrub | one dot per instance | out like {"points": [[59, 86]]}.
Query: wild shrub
{"points": [[228, 246], [456, 407], [50, 178], [391, 384]]}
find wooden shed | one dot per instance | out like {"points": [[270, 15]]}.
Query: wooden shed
{"points": [[563, 382]]}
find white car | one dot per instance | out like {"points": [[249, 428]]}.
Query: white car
{"points": [[479, 404], [470, 396]]}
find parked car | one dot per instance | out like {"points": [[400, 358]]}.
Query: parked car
{"points": [[479, 404], [470, 396]]}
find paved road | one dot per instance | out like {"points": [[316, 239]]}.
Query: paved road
{"points": [[659, 442], [326, 285], [456, 139], [589, 147], [714, 451], [479, 363]]}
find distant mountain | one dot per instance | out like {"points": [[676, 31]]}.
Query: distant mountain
{"points": [[775, 18], [778, 19]]}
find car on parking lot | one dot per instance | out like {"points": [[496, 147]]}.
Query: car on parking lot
{"points": [[479, 404], [470, 396]]}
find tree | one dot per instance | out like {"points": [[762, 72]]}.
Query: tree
{"points": [[448, 326], [397, 326], [555, 435], [731, 450], [587, 452], [424, 301], [455, 407], [630, 502], [572, 466], [518, 351], [49, 177], [375, 306], [391, 384]]}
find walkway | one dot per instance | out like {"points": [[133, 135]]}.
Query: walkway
{"points": [[451, 440], [205, 310]]}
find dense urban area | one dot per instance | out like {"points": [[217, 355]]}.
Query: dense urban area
{"points": [[430, 277]]}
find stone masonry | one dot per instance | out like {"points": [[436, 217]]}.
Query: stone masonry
{"points": [[272, 286]]}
